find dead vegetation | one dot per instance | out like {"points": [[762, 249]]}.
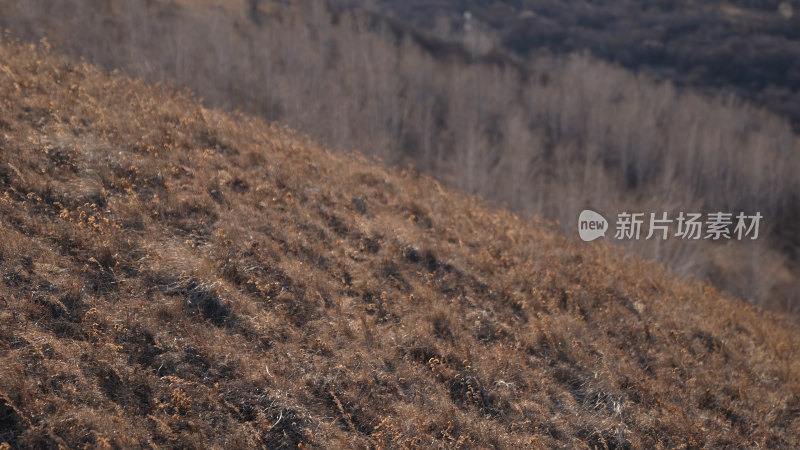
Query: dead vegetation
{"points": [[174, 276], [548, 136]]}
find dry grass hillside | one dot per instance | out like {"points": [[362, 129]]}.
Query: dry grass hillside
{"points": [[175, 276], [549, 136]]}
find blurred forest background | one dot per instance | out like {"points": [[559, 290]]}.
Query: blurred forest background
{"points": [[749, 47], [547, 107]]}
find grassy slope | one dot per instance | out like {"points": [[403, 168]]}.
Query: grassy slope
{"points": [[172, 275], [613, 141]]}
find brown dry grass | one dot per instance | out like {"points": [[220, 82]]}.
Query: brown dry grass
{"points": [[550, 136], [176, 276]]}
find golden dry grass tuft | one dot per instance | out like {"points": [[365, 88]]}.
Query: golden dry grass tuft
{"points": [[174, 276]]}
